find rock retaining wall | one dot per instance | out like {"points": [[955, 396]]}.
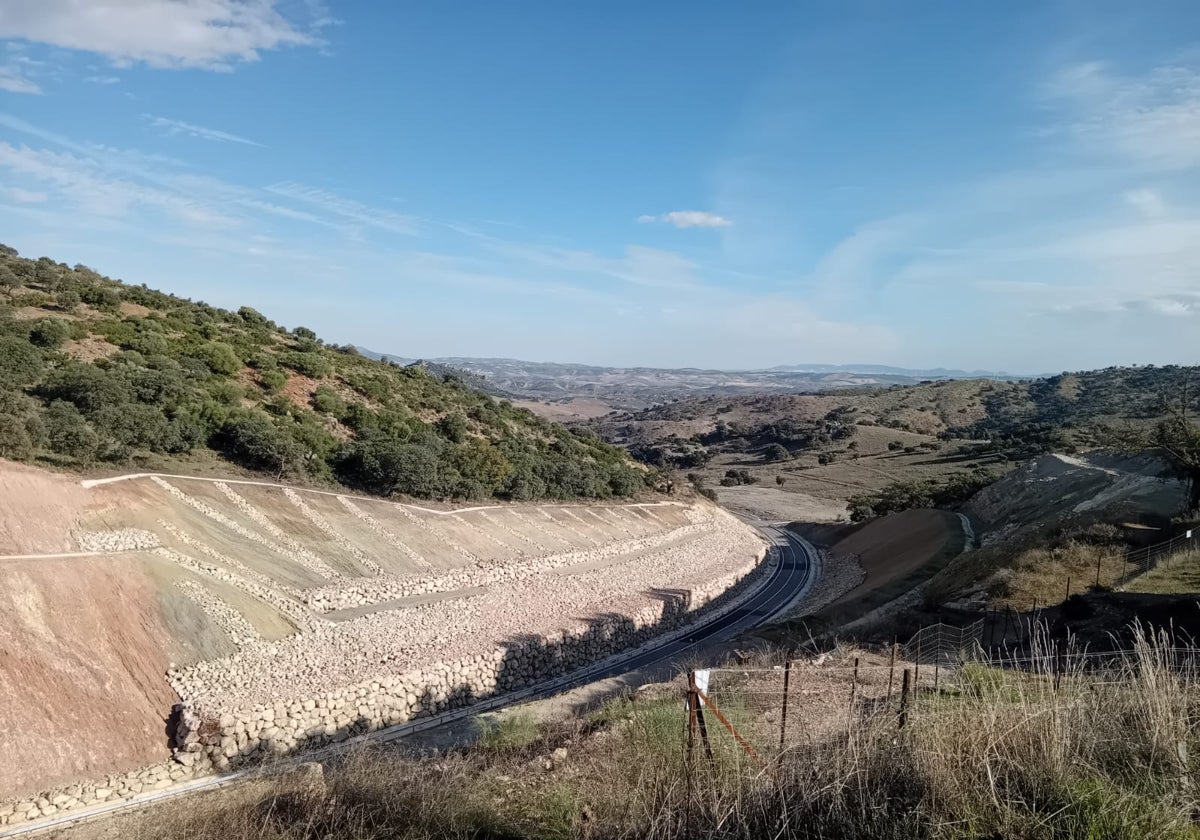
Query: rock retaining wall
{"points": [[334, 681], [221, 739]]}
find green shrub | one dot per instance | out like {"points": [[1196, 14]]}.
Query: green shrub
{"points": [[272, 379], [249, 437], [220, 357], [21, 427], [311, 364], [50, 333], [20, 362], [327, 401], [69, 433]]}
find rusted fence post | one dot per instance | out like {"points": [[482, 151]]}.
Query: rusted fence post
{"points": [[905, 689], [737, 736], [787, 675], [937, 672], [1068, 596]]}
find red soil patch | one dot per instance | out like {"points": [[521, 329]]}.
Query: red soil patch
{"points": [[300, 388], [89, 349], [134, 309], [82, 663], [38, 510]]}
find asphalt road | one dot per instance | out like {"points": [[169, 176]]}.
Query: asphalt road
{"points": [[791, 562]]}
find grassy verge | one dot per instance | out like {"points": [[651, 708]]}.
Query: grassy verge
{"points": [[1174, 575], [996, 753]]}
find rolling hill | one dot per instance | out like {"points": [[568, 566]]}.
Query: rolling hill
{"points": [[96, 374]]}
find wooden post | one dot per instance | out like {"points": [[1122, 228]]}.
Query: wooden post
{"points": [[1098, 556], [703, 728], [937, 672], [787, 675], [1124, 566], [905, 689], [892, 671], [1068, 597], [854, 683]]}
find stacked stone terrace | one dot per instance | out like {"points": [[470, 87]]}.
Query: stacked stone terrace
{"points": [[393, 612]]}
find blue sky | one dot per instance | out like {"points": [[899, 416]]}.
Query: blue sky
{"points": [[984, 185]]}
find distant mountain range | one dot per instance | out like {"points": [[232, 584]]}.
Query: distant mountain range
{"points": [[638, 387], [930, 373]]}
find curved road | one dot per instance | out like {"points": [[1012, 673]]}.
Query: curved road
{"points": [[792, 562]]}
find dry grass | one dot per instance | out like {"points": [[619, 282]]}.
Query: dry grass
{"points": [[1177, 574], [1042, 575], [997, 752]]}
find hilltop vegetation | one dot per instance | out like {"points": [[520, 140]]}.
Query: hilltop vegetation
{"points": [[94, 371], [889, 448]]}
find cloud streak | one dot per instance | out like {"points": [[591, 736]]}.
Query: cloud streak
{"points": [[14, 81], [687, 219], [174, 127]]}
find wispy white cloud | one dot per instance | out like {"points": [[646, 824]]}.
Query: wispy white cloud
{"points": [[172, 127], [118, 184], [14, 80], [84, 184], [24, 196], [1147, 202], [102, 80], [349, 209], [687, 219], [210, 34], [1153, 118]]}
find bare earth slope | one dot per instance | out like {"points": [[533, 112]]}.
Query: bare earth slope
{"points": [[120, 598]]}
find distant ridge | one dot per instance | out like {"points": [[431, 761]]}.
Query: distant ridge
{"points": [[639, 387], [483, 362]]}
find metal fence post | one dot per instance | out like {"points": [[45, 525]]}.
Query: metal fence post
{"points": [[905, 689]]}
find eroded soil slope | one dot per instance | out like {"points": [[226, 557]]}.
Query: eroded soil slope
{"points": [[83, 648]]}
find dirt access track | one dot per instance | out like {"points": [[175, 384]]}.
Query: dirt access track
{"points": [[120, 598]]}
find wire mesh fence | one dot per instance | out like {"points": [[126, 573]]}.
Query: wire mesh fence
{"points": [[807, 705], [1140, 561]]}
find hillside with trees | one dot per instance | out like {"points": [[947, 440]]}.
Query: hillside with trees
{"points": [[97, 374], [931, 444]]}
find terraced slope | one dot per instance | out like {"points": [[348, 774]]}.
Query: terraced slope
{"points": [[141, 592]]}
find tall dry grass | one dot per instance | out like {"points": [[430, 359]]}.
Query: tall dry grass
{"points": [[1049, 747]]}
